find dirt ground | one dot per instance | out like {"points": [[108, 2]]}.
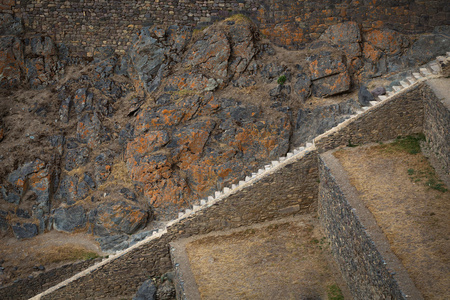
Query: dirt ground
{"points": [[284, 260], [411, 207], [22, 258]]}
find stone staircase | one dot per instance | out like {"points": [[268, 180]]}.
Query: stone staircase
{"points": [[406, 82]]}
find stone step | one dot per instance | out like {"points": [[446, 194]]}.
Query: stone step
{"points": [[435, 68], [404, 84], [411, 80], [391, 93], [374, 103], [397, 88], [365, 107], [425, 71], [382, 97], [448, 54], [417, 75]]}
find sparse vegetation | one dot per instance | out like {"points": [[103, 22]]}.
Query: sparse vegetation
{"points": [[281, 80], [409, 144], [334, 293], [238, 18], [65, 253]]}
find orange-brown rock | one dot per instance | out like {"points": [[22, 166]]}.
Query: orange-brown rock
{"points": [[167, 116], [388, 41], [117, 218], [210, 55]]}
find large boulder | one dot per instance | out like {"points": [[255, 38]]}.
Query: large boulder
{"points": [[32, 182], [117, 218], [210, 55], [346, 36], [312, 122], [329, 74], [152, 53], [147, 56], [224, 50], [382, 51], [25, 231], [69, 219], [147, 291]]}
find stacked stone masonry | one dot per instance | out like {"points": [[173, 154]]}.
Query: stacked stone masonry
{"points": [[84, 25], [359, 259], [271, 197], [401, 116], [436, 128], [26, 288]]}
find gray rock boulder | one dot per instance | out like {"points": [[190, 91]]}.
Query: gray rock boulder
{"points": [[346, 36], [117, 218], [147, 291], [329, 74], [69, 219], [147, 58], [25, 231], [312, 122], [210, 55], [113, 243], [302, 87], [364, 96]]}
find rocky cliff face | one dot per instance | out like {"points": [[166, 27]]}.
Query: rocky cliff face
{"points": [[115, 143]]}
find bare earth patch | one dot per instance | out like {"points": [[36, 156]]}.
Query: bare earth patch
{"points": [[411, 206], [51, 250], [286, 260]]}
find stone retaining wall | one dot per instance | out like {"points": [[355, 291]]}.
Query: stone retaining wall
{"points": [[84, 25], [401, 115], [437, 132], [273, 196], [357, 243], [28, 287]]}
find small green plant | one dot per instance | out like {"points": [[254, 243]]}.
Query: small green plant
{"points": [[351, 145], [281, 80], [436, 185], [409, 144], [410, 171], [334, 293]]}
